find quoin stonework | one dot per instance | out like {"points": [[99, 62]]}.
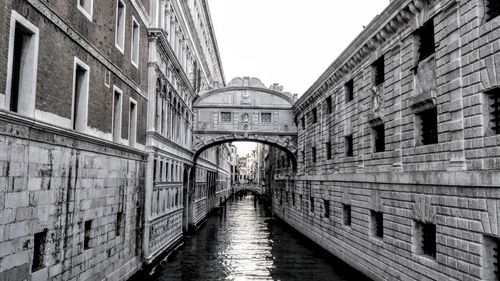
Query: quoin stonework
{"points": [[116, 124]]}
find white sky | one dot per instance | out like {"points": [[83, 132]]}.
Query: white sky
{"points": [[286, 41]]}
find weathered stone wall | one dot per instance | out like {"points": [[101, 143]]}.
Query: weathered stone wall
{"points": [[53, 182], [451, 185]]}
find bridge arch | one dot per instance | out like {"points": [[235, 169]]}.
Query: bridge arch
{"points": [[245, 110]]}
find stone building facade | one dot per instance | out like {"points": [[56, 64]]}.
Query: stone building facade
{"points": [[397, 153], [183, 62], [73, 104], [96, 164]]}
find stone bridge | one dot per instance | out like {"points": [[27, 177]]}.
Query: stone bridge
{"points": [[245, 110]]}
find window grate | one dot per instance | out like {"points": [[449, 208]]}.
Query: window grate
{"points": [[429, 239], [225, 116], [265, 117], [428, 125], [495, 110], [347, 215], [349, 90], [379, 138], [492, 9], [426, 46]]}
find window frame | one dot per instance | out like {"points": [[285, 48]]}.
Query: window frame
{"points": [[349, 90], [84, 111], [124, 22], [29, 97], [118, 138], [132, 124], [135, 42], [88, 14]]}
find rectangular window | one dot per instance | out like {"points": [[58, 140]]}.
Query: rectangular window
{"points": [[132, 123], [425, 239], [312, 203], [326, 204], [80, 95], [492, 9], [22, 66], [119, 218], [425, 40], [265, 117], [379, 138], [313, 152], [314, 113], [135, 42], [494, 103], [328, 105], [86, 7], [86, 239], [349, 152], [379, 71], [293, 198], [225, 117], [154, 170], [328, 148], [349, 90], [377, 224], [117, 114], [491, 260], [120, 25], [303, 122], [347, 215], [427, 126], [161, 171], [39, 241]]}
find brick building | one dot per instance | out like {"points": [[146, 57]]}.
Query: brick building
{"points": [[95, 135], [398, 146]]}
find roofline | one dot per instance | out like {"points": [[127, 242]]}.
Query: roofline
{"points": [[214, 39]]}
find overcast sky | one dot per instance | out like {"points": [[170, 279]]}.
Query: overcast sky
{"points": [[290, 42]]}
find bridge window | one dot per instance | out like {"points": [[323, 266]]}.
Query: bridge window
{"points": [[349, 90], [426, 122], [314, 113], [326, 203], [313, 152], [225, 117], [494, 109], [348, 142], [379, 138], [347, 215], [378, 68], [425, 238], [492, 9], [425, 39], [328, 148], [39, 250], [265, 117], [377, 225], [491, 261], [328, 105]]}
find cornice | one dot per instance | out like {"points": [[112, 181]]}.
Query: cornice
{"points": [[394, 18], [239, 88]]}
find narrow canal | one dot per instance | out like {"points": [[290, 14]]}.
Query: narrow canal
{"points": [[243, 243]]}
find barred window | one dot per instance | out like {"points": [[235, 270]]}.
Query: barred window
{"points": [[328, 148], [425, 238], [347, 215], [225, 116], [265, 117], [425, 40], [377, 224], [326, 203], [379, 71], [428, 126], [349, 90], [349, 146], [494, 97], [491, 261], [379, 138], [492, 9]]}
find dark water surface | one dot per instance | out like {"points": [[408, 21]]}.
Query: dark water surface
{"points": [[243, 243]]}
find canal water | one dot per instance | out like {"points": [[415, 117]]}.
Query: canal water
{"points": [[245, 243]]}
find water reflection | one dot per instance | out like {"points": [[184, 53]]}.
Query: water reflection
{"points": [[243, 243]]}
